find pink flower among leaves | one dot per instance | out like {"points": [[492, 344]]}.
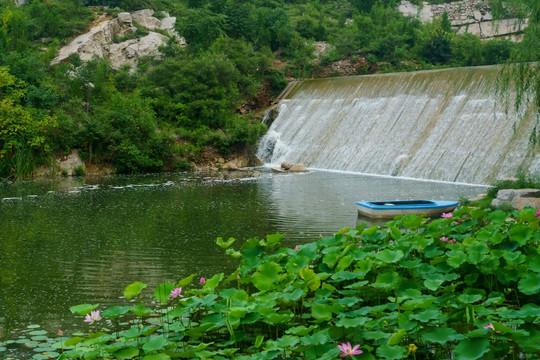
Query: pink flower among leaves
{"points": [[202, 281], [177, 292], [93, 316], [444, 239], [490, 326], [60, 332], [537, 212], [447, 215], [296, 248], [347, 350]]}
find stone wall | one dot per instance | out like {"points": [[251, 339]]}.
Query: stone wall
{"points": [[473, 16]]}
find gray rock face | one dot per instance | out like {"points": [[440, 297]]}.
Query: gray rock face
{"points": [[98, 42], [513, 196], [472, 16]]}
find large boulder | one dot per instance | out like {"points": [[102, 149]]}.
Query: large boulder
{"points": [[511, 196], [298, 168], [522, 202]]}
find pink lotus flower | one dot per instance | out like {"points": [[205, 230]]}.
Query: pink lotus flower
{"points": [[538, 212], [444, 238], [202, 281], [93, 316], [447, 215], [60, 332], [490, 326], [347, 350], [296, 248], [176, 293]]}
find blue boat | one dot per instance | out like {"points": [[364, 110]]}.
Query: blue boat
{"points": [[389, 209]]}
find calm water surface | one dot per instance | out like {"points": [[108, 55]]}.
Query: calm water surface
{"points": [[73, 241]]}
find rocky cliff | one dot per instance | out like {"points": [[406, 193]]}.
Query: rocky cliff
{"points": [[472, 16], [102, 39]]}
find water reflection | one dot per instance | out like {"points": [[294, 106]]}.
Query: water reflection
{"points": [[68, 242]]}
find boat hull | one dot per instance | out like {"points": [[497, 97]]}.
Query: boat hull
{"points": [[390, 209]]}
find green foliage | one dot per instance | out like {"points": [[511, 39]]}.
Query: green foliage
{"points": [[435, 45], [22, 132], [78, 170], [467, 50], [46, 15], [522, 181], [201, 27], [497, 51], [397, 291], [277, 81]]}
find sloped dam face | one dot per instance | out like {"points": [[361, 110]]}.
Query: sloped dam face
{"points": [[446, 125]]}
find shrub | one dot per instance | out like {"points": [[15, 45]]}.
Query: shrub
{"points": [[277, 80], [78, 170]]}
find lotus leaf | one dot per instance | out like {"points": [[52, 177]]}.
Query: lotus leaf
{"points": [[126, 353], [387, 281], [472, 349], [134, 289], [390, 256], [225, 244], [155, 343], [391, 352], [530, 284], [83, 309], [157, 357], [311, 280]]}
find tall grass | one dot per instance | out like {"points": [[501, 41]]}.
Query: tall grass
{"points": [[24, 162]]}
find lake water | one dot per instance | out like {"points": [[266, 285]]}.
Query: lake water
{"points": [[82, 240]]}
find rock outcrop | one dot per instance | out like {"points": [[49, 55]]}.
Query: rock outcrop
{"points": [[518, 198], [69, 163], [472, 16], [100, 40], [288, 167]]}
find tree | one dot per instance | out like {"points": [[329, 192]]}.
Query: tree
{"points": [[20, 131], [201, 27]]}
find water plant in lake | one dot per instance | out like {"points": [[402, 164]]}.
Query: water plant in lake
{"points": [[399, 291]]}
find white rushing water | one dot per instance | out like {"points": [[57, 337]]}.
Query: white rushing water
{"points": [[445, 125]]}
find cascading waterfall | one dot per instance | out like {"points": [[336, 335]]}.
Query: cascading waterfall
{"points": [[446, 125]]}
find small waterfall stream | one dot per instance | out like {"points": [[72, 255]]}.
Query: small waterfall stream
{"points": [[443, 125]]}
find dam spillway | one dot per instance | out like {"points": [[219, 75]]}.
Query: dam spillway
{"points": [[446, 125]]}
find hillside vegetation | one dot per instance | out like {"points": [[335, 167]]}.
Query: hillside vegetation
{"points": [[239, 55]]}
